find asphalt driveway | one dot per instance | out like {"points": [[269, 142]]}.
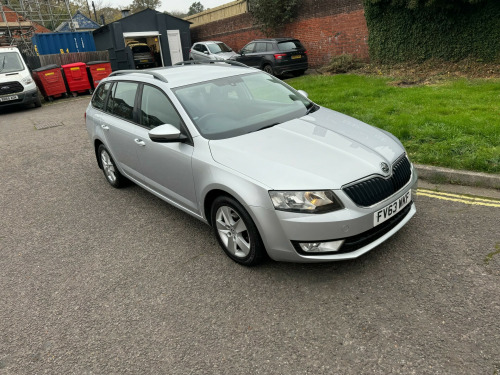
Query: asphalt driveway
{"points": [[96, 280]]}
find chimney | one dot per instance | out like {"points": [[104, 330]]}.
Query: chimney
{"points": [[125, 13]]}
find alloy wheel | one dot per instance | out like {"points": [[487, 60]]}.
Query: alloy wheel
{"points": [[232, 231]]}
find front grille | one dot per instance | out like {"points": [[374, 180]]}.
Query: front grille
{"points": [[12, 87], [376, 189]]}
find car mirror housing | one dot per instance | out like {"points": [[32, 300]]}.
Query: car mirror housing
{"points": [[166, 133], [205, 52], [303, 93]]}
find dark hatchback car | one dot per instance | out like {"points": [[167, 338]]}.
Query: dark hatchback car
{"points": [[275, 56]]}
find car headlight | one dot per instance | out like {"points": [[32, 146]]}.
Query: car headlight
{"points": [[305, 201], [27, 80]]}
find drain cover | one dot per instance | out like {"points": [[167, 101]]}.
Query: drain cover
{"points": [[46, 125]]}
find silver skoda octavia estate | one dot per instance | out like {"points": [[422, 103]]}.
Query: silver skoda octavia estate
{"points": [[272, 172]]}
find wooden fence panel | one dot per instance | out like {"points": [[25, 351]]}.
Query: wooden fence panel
{"points": [[70, 58]]}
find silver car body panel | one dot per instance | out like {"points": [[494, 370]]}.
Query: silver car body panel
{"points": [[322, 150]]}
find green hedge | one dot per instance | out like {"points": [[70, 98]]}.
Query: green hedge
{"points": [[398, 33]]}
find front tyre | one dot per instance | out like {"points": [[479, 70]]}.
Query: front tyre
{"points": [[236, 232], [112, 174]]}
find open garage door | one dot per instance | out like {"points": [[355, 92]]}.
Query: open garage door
{"points": [[139, 40]]}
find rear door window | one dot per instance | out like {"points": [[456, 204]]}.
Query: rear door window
{"points": [[122, 100], [260, 47]]}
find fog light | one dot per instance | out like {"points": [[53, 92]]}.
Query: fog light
{"points": [[320, 247]]}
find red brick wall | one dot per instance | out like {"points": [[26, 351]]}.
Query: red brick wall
{"points": [[326, 28]]}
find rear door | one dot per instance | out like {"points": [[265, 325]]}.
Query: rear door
{"points": [[119, 127]]}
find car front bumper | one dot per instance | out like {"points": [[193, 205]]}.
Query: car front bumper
{"points": [[282, 231], [23, 98]]}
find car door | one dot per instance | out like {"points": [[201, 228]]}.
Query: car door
{"points": [[166, 167], [119, 126], [248, 56], [204, 53]]}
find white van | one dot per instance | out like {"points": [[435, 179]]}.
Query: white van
{"points": [[16, 84]]}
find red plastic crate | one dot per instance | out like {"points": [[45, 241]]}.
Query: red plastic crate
{"points": [[76, 78], [98, 70], [50, 81]]}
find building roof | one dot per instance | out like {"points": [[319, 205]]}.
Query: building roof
{"points": [[142, 11], [15, 20], [81, 22]]}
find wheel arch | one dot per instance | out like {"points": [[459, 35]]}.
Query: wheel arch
{"points": [[97, 143]]}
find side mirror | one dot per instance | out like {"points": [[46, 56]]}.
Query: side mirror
{"points": [[303, 93], [205, 52], [242, 53], [166, 133]]}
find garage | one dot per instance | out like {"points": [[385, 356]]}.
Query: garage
{"points": [[144, 40]]}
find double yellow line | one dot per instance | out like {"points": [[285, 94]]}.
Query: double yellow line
{"points": [[459, 198]]}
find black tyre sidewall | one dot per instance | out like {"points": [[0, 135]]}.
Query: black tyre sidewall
{"points": [[120, 180], [271, 70], [257, 250]]}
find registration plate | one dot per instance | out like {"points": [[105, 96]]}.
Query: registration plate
{"points": [[7, 98], [144, 60], [392, 209], [296, 56]]}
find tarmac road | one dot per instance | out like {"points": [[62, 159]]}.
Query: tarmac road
{"points": [[96, 280]]}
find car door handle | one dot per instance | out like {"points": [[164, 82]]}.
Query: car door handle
{"points": [[105, 127], [140, 142]]}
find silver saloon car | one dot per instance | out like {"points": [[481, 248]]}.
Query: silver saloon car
{"points": [[269, 170]]}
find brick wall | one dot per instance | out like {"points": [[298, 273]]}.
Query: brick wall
{"points": [[326, 28]]}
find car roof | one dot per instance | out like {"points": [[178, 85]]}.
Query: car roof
{"points": [[209, 42], [183, 75], [273, 39]]}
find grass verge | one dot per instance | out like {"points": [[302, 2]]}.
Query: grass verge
{"points": [[454, 123]]}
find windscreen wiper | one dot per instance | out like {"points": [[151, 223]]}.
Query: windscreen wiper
{"points": [[265, 127]]}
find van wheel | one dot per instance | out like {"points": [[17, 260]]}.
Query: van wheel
{"points": [[37, 102]]}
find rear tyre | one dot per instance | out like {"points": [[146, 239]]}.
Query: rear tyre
{"points": [[236, 232], [268, 69], [112, 174]]}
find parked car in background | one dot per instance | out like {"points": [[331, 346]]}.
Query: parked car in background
{"points": [[16, 84], [210, 50], [275, 56], [271, 171], [143, 56]]}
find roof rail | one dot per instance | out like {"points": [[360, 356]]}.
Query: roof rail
{"points": [[131, 71], [230, 62]]}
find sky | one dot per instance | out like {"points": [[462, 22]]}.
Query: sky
{"points": [[170, 5]]}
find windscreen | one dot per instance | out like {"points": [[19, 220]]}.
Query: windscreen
{"points": [[10, 62], [236, 105], [218, 48], [141, 49]]}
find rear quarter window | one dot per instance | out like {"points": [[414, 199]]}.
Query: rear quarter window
{"points": [[99, 98]]}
